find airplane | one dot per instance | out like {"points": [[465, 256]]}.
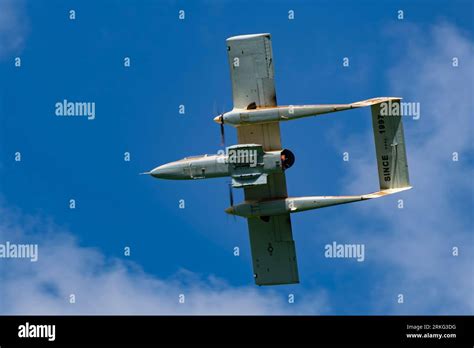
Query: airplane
{"points": [[258, 162]]}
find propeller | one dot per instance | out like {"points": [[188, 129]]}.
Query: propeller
{"points": [[219, 119], [231, 199], [231, 195], [221, 123]]}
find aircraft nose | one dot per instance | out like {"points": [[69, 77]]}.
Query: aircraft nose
{"points": [[217, 119], [230, 210], [156, 172], [165, 171]]}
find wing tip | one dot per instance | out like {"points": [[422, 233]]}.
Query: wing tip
{"points": [[283, 282], [374, 101], [247, 36]]}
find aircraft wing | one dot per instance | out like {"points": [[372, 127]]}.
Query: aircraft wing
{"points": [[271, 241], [273, 251], [251, 69], [252, 75]]}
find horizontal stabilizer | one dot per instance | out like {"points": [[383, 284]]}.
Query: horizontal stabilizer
{"points": [[390, 145]]}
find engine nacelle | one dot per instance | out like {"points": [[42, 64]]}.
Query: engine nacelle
{"points": [[255, 172]]}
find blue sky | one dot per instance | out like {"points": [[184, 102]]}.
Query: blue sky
{"points": [[190, 250]]}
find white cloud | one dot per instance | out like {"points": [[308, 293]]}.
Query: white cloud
{"points": [[414, 245], [13, 27], [104, 285]]}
